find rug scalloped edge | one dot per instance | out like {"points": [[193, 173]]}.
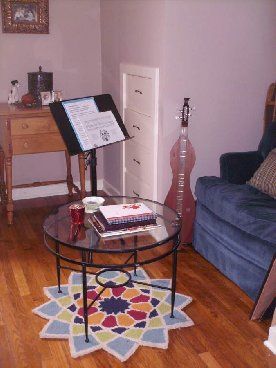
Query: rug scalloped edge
{"points": [[104, 346]]}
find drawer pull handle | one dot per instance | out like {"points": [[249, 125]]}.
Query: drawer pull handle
{"points": [[25, 145], [137, 195], [138, 91], [25, 126], [137, 162], [136, 126]]}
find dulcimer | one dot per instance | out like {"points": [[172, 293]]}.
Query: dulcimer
{"points": [[182, 160]]}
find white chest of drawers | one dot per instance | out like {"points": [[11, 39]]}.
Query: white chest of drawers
{"points": [[139, 105]]}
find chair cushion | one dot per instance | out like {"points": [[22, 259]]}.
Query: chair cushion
{"points": [[268, 141], [241, 205], [264, 178], [238, 167]]}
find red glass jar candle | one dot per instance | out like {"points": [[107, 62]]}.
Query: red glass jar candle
{"points": [[77, 213]]}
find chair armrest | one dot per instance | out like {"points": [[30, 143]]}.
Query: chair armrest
{"points": [[238, 167]]}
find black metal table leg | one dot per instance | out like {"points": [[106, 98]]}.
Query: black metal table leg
{"points": [[90, 257], [58, 266], [135, 261], [174, 274], [135, 255], [84, 290]]}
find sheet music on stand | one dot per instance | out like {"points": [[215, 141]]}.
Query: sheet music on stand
{"points": [[88, 123]]}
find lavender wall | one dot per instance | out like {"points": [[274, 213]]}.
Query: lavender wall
{"points": [[72, 52], [131, 32], [220, 53]]}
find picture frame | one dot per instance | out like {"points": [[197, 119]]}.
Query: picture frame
{"points": [[46, 98], [57, 96], [25, 16]]}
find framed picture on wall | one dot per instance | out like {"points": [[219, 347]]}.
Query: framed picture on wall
{"points": [[25, 16]]}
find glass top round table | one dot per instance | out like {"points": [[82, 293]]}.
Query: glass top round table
{"points": [[58, 229], [81, 249]]}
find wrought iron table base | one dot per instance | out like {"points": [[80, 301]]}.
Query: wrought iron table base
{"points": [[133, 255]]}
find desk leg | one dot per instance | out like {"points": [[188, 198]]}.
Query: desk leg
{"points": [[69, 177], [8, 165], [81, 158], [2, 179]]}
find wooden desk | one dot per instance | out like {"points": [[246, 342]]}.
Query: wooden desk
{"points": [[29, 131]]}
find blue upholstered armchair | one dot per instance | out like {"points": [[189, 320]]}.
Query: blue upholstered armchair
{"points": [[238, 167], [235, 225]]}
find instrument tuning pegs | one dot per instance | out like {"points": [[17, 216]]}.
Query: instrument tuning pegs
{"points": [[190, 111]]}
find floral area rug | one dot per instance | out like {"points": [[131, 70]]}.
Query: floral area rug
{"points": [[121, 320]]}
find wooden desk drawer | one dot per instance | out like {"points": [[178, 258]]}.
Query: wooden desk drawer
{"points": [[139, 94], [34, 125], [38, 144]]}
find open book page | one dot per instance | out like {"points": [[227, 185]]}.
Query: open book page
{"points": [[92, 128]]}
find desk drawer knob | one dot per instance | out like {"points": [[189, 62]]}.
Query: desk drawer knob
{"points": [[25, 145], [25, 126]]}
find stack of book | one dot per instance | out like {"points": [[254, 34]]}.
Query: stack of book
{"points": [[123, 219]]}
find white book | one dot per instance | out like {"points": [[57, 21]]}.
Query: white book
{"points": [[120, 213]]}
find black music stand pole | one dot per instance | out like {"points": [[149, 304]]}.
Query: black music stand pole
{"points": [[93, 171]]}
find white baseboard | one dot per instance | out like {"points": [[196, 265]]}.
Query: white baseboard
{"points": [[48, 190], [109, 189]]}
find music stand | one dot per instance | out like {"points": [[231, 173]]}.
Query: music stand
{"points": [[69, 116]]}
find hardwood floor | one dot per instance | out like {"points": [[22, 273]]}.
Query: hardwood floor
{"points": [[222, 337]]}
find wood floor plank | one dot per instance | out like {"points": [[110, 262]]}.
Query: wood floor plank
{"points": [[209, 360], [222, 337], [7, 358], [19, 276]]}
